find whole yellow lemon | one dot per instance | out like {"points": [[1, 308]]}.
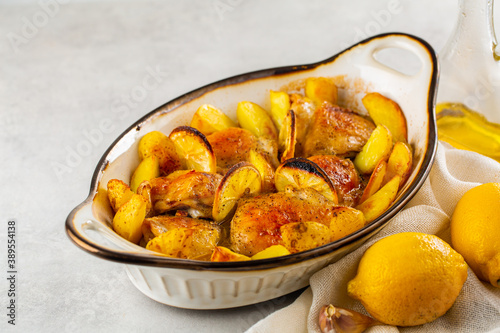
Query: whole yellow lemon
{"points": [[475, 231], [408, 279]]}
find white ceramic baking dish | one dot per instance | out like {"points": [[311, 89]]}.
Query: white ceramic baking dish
{"points": [[213, 285]]}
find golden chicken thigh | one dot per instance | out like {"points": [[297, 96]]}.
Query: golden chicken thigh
{"points": [[191, 190], [337, 131], [257, 221]]}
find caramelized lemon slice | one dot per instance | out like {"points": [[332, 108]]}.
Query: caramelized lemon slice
{"points": [[193, 149], [241, 180], [300, 173], [288, 136]]}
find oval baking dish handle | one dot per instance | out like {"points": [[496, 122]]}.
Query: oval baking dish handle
{"points": [[94, 236], [364, 56]]}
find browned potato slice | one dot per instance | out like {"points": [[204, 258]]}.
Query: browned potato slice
{"points": [[375, 182], [158, 144], [303, 108], [255, 119], [118, 193], [377, 148], [378, 203], [400, 162], [302, 236], [242, 179], [208, 119], [194, 149], [184, 243], [280, 104], [129, 217], [265, 168], [288, 136], [271, 252], [222, 253], [146, 170], [387, 112], [321, 89], [345, 221], [300, 173]]}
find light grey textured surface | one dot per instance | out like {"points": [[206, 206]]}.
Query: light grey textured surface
{"points": [[75, 74]]}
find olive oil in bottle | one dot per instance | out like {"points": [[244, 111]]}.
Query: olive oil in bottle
{"points": [[468, 102], [464, 128]]}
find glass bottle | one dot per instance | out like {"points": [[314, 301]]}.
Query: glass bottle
{"points": [[468, 109]]}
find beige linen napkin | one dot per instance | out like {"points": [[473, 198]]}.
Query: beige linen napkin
{"points": [[477, 308]]}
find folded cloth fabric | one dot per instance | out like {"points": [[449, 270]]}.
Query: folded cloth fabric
{"points": [[477, 308]]}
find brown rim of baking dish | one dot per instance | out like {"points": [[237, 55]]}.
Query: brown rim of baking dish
{"points": [[163, 261]]}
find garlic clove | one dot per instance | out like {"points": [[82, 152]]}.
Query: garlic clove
{"points": [[338, 320]]}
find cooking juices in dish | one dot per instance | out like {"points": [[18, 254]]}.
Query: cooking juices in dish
{"points": [[302, 175]]}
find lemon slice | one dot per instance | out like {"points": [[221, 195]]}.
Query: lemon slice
{"points": [[288, 136], [301, 173], [241, 180], [193, 149]]}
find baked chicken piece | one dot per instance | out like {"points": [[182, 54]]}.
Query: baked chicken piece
{"points": [[181, 237], [231, 146], [344, 177], [234, 145], [337, 131], [189, 190], [157, 225], [256, 223]]}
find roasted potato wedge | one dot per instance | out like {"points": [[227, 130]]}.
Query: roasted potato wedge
{"points": [[129, 217], [222, 253], [378, 203], [255, 119], [302, 236], [375, 182], [265, 168], [387, 112], [243, 179], [118, 193], [288, 136], [148, 169], [345, 221], [280, 104], [400, 162], [208, 119], [377, 148], [186, 243], [193, 149], [300, 173], [158, 144], [321, 89], [271, 252]]}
